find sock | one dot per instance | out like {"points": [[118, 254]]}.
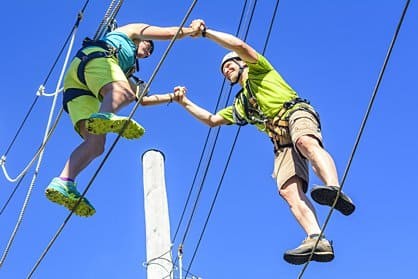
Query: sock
{"points": [[66, 179]]}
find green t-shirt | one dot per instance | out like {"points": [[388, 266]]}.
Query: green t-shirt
{"points": [[268, 87]]}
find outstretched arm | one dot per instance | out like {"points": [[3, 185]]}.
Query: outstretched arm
{"points": [[142, 31], [199, 113], [244, 51]]}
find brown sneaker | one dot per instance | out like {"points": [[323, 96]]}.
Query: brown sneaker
{"points": [[300, 255]]}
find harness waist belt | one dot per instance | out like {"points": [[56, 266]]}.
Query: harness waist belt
{"points": [[108, 51]]}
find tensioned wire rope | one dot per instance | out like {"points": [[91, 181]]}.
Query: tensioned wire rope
{"points": [[20, 176], [108, 19], [362, 126], [205, 145], [110, 13], [141, 95], [232, 148], [211, 152], [47, 135], [39, 154], [26, 117]]}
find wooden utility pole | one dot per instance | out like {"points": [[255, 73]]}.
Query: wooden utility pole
{"points": [[157, 223]]}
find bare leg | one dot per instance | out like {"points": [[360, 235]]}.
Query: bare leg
{"points": [[116, 95], [322, 162], [300, 205], [87, 151]]}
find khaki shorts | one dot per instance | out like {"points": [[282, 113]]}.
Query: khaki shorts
{"points": [[288, 161]]}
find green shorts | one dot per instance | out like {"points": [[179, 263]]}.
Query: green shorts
{"points": [[98, 72]]}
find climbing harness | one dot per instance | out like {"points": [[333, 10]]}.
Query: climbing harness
{"points": [[106, 52], [278, 126]]}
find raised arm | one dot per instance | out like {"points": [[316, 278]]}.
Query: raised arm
{"points": [[198, 112], [244, 51], [142, 31]]}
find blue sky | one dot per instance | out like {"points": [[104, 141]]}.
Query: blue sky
{"points": [[330, 52]]}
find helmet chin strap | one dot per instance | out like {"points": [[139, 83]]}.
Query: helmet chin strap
{"points": [[241, 69]]}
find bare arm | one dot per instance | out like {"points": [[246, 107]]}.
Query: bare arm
{"points": [[245, 51], [156, 99], [141, 31], [198, 112]]}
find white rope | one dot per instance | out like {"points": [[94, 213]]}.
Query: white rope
{"points": [[40, 154], [41, 91], [46, 134]]}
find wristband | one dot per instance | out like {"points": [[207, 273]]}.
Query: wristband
{"points": [[204, 32]]}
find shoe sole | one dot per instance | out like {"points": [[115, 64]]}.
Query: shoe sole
{"points": [[99, 126], [83, 209], [326, 196], [303, 258]]}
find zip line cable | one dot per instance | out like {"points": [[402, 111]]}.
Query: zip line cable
{"points": [[79, 18], [47, 134], [108, 18], [39, 153], [362, 126], [145, 89], [232, 147], [3, 157], [70, 38], [22, 175], [210, 157], [211, 152], [206, 142], [40, 149]]}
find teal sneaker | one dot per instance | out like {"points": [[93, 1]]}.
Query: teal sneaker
{"points": [[65, 193], [105, 122]]}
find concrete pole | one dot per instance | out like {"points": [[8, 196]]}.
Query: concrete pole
{"points": [[157, 223]]}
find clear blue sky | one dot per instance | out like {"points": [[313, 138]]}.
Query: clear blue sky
{"points": [[331, 52]]}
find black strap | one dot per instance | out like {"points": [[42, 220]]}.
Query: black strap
{"points": [[239, 120], [85, 58], [107, 51], [73, 93]]}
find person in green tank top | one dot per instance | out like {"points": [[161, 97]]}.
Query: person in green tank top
{"points": [[267, 101], [96, 86]]}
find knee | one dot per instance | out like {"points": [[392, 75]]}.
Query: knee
{"points": [[118, 90], [289, 190], [285, 193], [307, 144]]}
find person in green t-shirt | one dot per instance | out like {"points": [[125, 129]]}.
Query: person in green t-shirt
{"points": [[292, 124]]}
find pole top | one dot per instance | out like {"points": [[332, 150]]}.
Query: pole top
{"points": [[153, 149]]}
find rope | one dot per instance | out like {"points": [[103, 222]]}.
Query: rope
{"points": [[206, 142], [108, 18], [47, 134], [20, 177], [363, 124], [233, 144], [202, 154], [41, 92], [60, 229], [79, 18]]}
